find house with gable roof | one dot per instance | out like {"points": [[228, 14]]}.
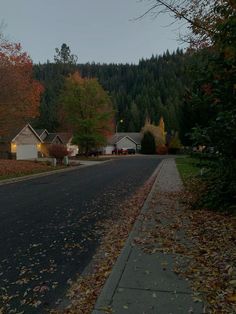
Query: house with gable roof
{"points": [[125, 140], [28, 143], [22, 144]]}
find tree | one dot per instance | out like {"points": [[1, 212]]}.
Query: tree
{"points": [[148, 145], [87, 111], [202, 17], [19, 92], [158, 132], [155, 86], [64, 55], [175, 144], [213, 28]]}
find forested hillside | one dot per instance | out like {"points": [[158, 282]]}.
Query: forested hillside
{"points": [[153, 88]]}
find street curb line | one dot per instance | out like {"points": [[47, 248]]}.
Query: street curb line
{"points": [[108, 290], [47, 173]]}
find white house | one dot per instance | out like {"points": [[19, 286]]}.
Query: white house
{"points": [[22, 144], [123, 140]]}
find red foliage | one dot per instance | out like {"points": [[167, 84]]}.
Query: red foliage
{"points": [[162, 150], [20, 93], [17, 168], [58, 151]]}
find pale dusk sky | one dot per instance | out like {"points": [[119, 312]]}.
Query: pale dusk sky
{"points": [[96, 30]]}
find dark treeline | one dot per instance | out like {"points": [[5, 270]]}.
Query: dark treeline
{"points": [[155, 87]]}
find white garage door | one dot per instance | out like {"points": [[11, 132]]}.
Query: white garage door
{"points": [[26, 152], [108, 150]]}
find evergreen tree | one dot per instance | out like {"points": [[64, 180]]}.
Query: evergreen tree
{"points": [[148, 145]]}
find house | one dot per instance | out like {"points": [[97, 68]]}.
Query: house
{"points": [[21, 144], [67, 141], [64, 138], [48, 140], [124, 140], [42, 133]]}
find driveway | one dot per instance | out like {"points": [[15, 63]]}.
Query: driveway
{"points": [[47, 228]]}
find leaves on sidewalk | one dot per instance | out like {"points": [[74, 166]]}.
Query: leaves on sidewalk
{"points": [[205, 244]]}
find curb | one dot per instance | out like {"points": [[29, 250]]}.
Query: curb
{"points": [[47, 173], [108, 290]]}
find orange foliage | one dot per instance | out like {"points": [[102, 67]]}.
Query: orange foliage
{"points": [[19, 168], [20, 93], [162, 150]]}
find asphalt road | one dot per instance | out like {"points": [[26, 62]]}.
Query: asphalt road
{"points": [[47, 228]]}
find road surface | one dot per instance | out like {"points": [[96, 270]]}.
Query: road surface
{"points": [[47, 228]]}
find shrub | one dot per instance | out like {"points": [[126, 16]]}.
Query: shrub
{"points": [[175, 144], [148, 145], [220, 186], [162, 150], [58, 151]]}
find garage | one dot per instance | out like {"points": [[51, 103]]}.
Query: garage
{"points": [[26, 152], [108, 150], [26, 144]]}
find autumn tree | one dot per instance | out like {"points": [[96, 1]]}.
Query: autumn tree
{"points": [[87, 111], [157, 131], [19, 92], [202, 17], [212, 24]]}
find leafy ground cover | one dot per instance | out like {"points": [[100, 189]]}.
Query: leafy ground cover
{"points": [[204, 243], [211, 267], [17, 168]]}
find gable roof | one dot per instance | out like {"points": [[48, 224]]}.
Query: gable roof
{"points": [[19, 132], [135, 137], [51, 137], [66, 137], [41, 131]]}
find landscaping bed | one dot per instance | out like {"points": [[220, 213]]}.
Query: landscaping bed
{"points": [[16, 168]]}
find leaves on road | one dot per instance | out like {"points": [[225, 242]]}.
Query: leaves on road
{"points": [[84, 292]]}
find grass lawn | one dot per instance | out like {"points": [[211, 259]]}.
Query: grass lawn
{"points": [[188, 167], [17, 168]]}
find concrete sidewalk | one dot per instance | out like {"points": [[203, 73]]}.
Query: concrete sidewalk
{"points": [[143, 283]]}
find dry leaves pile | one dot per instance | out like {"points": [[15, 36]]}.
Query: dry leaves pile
{"points": [[84, 292], [205, 243], [17, 168]]}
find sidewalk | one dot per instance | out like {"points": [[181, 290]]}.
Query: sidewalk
{"points": [[145, 283]]}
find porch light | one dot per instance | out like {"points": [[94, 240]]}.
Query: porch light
{"points": [[13, 147]]}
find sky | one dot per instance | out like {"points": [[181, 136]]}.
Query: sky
{"points": [[101, 31]]}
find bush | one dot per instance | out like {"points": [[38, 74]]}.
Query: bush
{"points": [[58, 151], [162, 150], [148, 145], [175, 144], [220, 186]]}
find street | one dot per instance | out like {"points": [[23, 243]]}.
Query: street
{"points": [[48, 224]]}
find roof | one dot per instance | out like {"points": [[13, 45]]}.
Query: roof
{"points": [[65, 137], [51, 138], [17, 133], [136, 137], [40, 131]]}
